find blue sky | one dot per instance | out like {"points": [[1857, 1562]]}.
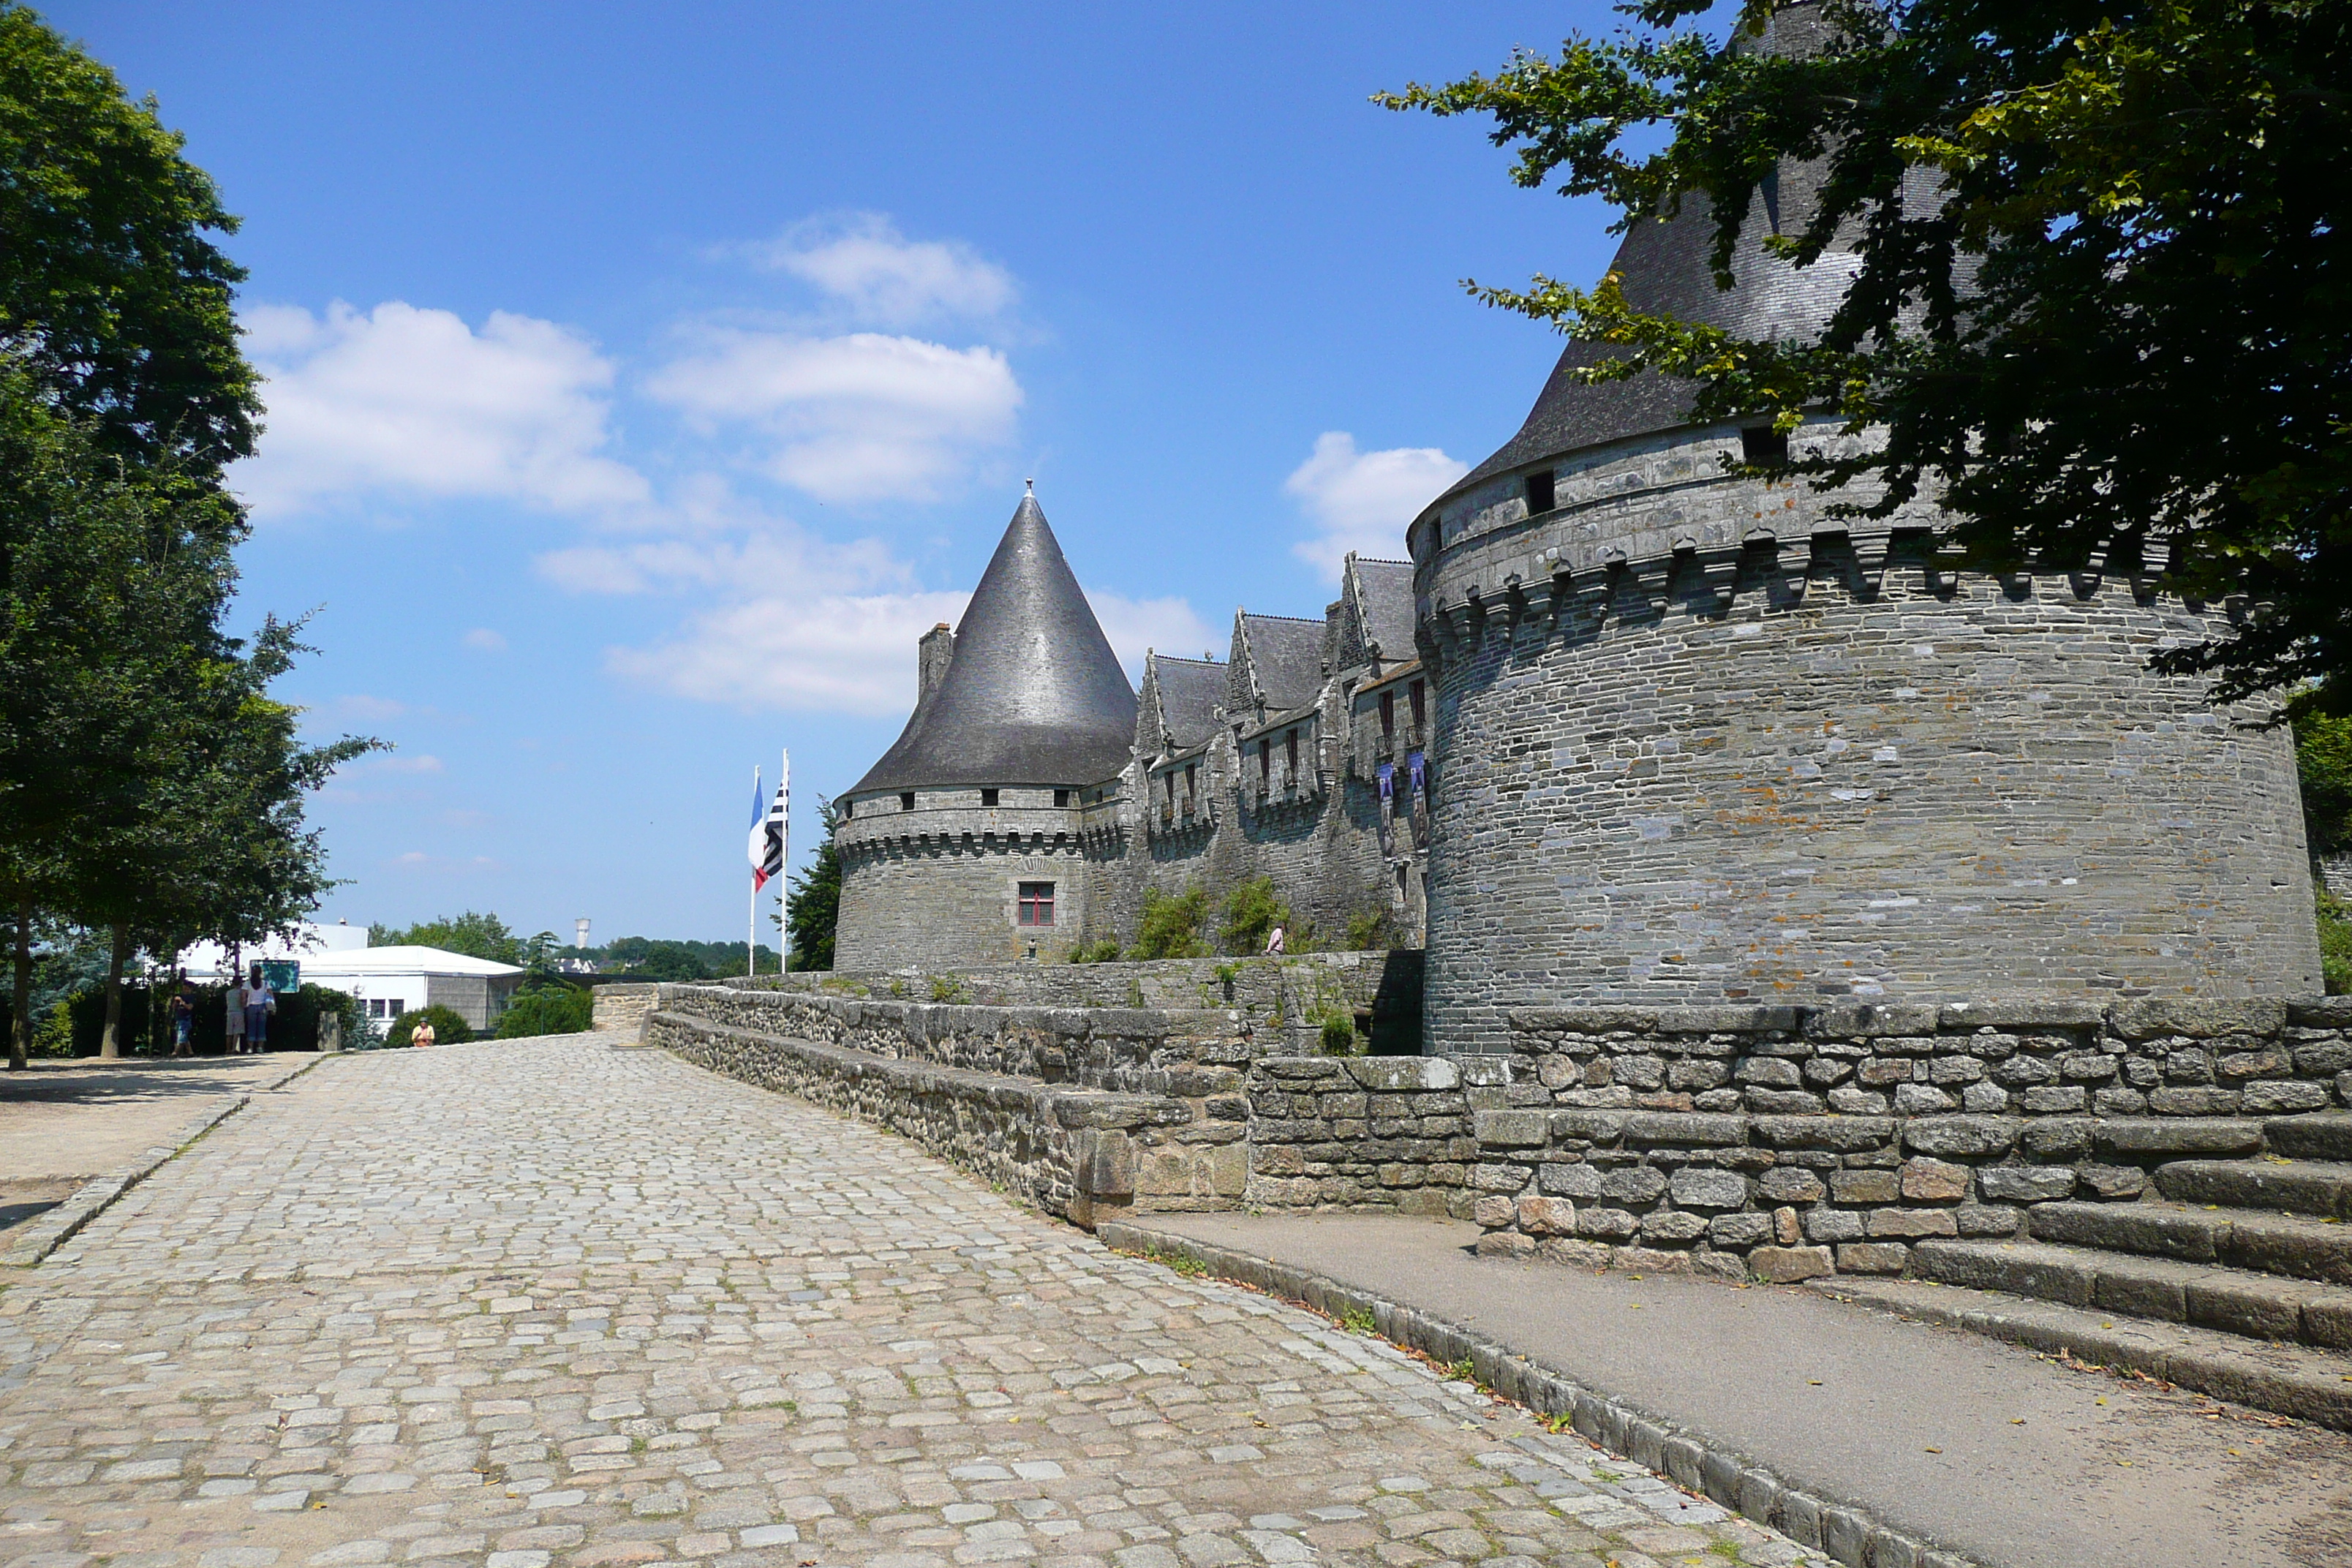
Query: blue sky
{"points": [[643, 380]]}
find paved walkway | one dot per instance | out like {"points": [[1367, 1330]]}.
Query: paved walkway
{"points": [[524, 1303], [1991, 1448], [62, 1122]]}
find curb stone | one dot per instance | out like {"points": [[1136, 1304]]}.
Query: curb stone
{"points": [[1850, 1533], [44, 1235]]}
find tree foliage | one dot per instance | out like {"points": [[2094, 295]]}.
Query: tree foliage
{"points": [[477, 935], [813, 906], [1171, 924], [111, 292], [554, 1008], [2099, 304]]}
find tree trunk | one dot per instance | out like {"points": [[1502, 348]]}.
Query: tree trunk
{"points": [[20, 1007], [110, 1041]]}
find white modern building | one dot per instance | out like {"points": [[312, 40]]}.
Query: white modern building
{"points": [[388, 981]]}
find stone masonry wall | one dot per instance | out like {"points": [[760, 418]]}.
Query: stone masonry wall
{"points": [[1366, 1131], [953, 898], [1793, 1141], [1280, 998], [1696, 744], [1081, 1154]]}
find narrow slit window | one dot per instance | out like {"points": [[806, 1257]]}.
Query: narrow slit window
{"points": [[1388, 715], [1036, 903], [1265, 759], [1290, 751], [1763, 447], [1541, 493], [1418, 702], [1192, 780], [906, 800]]}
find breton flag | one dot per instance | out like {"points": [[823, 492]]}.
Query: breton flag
{"points": [[765, 846]]}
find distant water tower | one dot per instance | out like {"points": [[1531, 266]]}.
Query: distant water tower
{"points": [[580, 928]]}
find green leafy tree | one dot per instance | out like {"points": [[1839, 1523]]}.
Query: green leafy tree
{"points": [[112, 291], [677, 961], [474, 934], [2120, 333], [554, 1008], [812, 907], [1171, 924]]}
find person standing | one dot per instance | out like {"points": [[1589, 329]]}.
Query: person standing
{"points": [[259, 1005], [423, 1034], [183, 1018], [233, 1015]]}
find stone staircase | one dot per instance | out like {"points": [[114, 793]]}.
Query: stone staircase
{"points": [[2232, 1277]]}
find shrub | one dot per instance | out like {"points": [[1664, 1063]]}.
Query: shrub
{"points": [[1252, 912], [1103, 952], [549, 1009], [448, 1029], [1171, 927], [1338, 1033], [944, 989], [1370, 930], [2335, 945]]}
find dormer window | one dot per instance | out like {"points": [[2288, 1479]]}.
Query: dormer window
{"points": [[1541, 493], [1763, 448]]}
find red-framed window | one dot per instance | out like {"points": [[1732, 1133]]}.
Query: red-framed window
{"points": [[1036, 903]]}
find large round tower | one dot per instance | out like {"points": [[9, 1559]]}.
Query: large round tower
{"points": [[961, 845], [1700, 742]]}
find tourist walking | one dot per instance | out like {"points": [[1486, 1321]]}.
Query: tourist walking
{"points": [[259, 1005], [1274, 940], [184, 1017], [233, 1015]]}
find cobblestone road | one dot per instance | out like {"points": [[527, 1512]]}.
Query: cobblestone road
{"points": [[557, 1302]]}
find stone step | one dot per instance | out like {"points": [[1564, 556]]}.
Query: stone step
{"points": [[2287, 1379], [2325, 1136], [2261, 1240], [2160, 1289], [2321, 1187]]}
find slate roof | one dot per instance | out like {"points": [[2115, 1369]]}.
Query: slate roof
{"points": [[1033, 695], [1664, 267], [1387, 589], [1189, 692], [1286, 655]]}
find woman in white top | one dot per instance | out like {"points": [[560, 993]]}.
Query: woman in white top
{"points": [[232, 1017]]}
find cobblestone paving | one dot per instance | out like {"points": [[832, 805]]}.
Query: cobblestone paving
{"points": [[557, 1302]]}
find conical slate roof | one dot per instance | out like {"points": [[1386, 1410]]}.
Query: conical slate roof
{"points": [[1665, 268], [1033, 694]]}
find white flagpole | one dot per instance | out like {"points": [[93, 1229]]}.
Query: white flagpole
{"points": [[751, 907], [784, 873]]}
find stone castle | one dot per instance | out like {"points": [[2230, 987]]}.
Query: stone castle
{"points": [[1631, 728], [1035, 799]]}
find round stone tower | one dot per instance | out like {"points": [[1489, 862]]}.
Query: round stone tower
{"points": [[1699, 742], [961, 845]]}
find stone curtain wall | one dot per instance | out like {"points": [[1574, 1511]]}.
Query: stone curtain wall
{"points": [[1280, 998], [1793, 1141], [1083, 1112], [624, 1006]]}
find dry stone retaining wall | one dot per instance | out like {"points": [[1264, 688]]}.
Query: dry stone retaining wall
{"points": [[1791, 1141]]}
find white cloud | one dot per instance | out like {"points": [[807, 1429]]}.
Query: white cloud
{"points": [[416, 403], [485, 640], [1135, 627], [1362, 501], [424, 763], [861, 418], [777, 556], [866, 266], [833, 653]]}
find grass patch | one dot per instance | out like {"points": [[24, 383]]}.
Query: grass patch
{"points": [[1359, 1321]]}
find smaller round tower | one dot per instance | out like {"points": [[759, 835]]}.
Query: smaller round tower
{"points": [[961, 845]]}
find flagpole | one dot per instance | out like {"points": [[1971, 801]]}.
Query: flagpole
{"points": [[751, 907], [784, 873]]}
